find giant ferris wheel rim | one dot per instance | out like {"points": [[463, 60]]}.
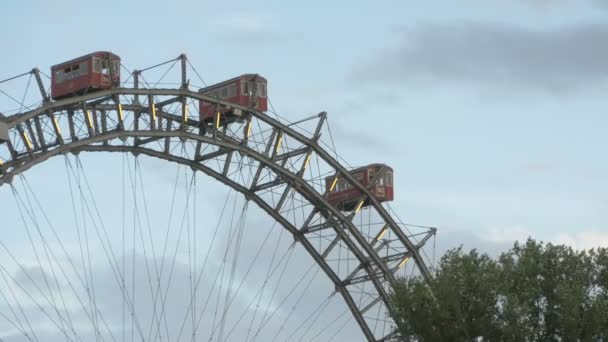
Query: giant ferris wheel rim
{"points": [[14, 167]]}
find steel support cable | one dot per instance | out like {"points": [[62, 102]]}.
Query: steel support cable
{"points": [[165, 74], [15, 100], [10, 321], [90, 281], [47, 249], [74, 268], [218, 277], [18, 302], [340, 329], [285, 261], [193, 270], [108, 251], [222, 269], [133, 268], [274, 292], [237, 248], [412, 236], [90, 287], [86, 282], [128, 72], [16, 77], [268, 274], [172, 267], [293, 308], [159, 64], [28, 294], [253, 262], [340, 316], [165, 244], [272, 268], [20, 204], [27, 88], [52, 302], [211, 244], [124, 256], [188, 233], [189, 237], [196, 72], [16, 321], [312, 318], [133, 179], [235, 259]]}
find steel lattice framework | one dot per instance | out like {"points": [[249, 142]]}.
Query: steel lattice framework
{"points": [[163, 123]]}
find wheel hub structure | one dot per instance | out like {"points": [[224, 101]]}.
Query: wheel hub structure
{"points": [[361, 252]]}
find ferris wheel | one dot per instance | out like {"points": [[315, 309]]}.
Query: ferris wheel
{"points": [[256, 229]]}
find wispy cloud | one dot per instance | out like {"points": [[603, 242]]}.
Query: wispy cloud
{"points": [[247, 28], [491, 54], [506, 234], [583, 240]]}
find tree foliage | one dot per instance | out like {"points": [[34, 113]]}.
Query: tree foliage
{"points": [[533, 292]]}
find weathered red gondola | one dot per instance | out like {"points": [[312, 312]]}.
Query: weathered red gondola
{"points": [[95, 71], [248, 90], [378, 178]]}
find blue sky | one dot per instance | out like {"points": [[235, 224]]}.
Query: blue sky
{"points": [[492, 114]]}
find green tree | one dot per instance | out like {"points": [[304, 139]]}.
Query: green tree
{"points": [[533, 292]]}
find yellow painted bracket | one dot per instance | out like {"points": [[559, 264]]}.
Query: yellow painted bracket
{"points": [[218, 117], [89, 119], [121, 116]]}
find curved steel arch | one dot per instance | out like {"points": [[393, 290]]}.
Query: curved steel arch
{"points": [[36, 136]]}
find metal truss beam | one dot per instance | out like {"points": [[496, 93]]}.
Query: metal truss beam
{"points": [[86, 108]]}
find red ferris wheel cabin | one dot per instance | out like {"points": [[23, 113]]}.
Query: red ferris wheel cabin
{"points": [[378, 178], [248, 90], [96, 71]]}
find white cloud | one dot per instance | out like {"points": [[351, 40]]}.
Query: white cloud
{"points": [[583, 240], [506, 234], [578, 240]]}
